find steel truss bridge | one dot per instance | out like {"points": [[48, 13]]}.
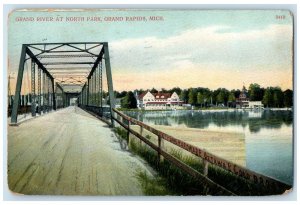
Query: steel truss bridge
{"points": [[61, 71]]}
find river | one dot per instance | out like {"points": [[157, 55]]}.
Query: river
{"points": [[268, 134]]}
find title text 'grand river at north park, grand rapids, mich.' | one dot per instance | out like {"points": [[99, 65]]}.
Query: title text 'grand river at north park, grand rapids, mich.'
{"points": [[89, 19]]}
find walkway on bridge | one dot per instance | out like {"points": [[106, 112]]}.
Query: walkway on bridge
{"points": [[69, 152]]}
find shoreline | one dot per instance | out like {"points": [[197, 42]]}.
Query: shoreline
{"points": [[228, 145], [206, 110]]}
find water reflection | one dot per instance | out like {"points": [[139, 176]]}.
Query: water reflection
{"points": [[254, 120]]}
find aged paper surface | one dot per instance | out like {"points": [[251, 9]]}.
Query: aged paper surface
{"points": [[208, 91]]}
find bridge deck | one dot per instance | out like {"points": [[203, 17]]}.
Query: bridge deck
{"points": [[72, 153]]}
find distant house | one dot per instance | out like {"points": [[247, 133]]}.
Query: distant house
{"points": [[255, 105], [243, 101], [158, 101]]}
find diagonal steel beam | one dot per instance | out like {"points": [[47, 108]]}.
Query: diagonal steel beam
{"points": [[34, 58], [83, 50], [98, 60], [47, 51], [94, 47]]}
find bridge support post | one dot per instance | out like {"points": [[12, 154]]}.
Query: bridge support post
{"points": [[39, 90], [88, 92], [109, 82], [44, 91], [160, 145], [205, 167], [53, 95], [14, 113], [33, 103]]}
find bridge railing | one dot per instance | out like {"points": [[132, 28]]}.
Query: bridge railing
{"points": [[208, 158]]}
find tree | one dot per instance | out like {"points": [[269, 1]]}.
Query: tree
{"points": [[231, 99], [200, 98], [192, 96], [255, 92], [153, 90], [268, 97], [184, 95], [129, 101], [221, 97], [236, 93], [163, 90], [120, 94], [288, 98], [175, 89], [277, 97]]}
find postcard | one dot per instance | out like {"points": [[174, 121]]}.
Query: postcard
{"points": [[143, 102]]}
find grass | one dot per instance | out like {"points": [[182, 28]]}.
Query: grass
{"points": [[181, 183], [177, 181], [122, 133], [153, 186], [225, 178]]}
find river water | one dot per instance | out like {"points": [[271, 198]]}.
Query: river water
{"points": [[268, 134]]}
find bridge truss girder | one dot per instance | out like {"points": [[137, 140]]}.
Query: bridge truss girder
{"points": [[51, 81]]}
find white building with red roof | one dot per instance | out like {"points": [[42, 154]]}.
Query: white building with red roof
{"points": [[158, 101]]}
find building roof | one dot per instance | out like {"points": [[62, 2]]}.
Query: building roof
{"points": [[142, 95], [160, 95]]}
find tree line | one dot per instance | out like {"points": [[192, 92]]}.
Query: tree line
{"points": [[204, 97]]}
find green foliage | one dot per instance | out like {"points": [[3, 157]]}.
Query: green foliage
{"points": [[274, 97], [184, 96], [200, 98], [153, 186], [153, 90], [192, 96], [221, 97], [236, 93], [255, 92], [278, 97], [120, 94], [288, 98], [268, 97], [175, 89], [231, 97], [129, 101], [122, 133]]}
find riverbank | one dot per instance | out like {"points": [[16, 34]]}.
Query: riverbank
{"points": [[228, 145], [176, 181]]}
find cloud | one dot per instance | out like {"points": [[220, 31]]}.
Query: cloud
{"points": [[205, 54], [206, 45]]}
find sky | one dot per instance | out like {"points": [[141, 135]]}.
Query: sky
{"points": [[188, 48]]}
